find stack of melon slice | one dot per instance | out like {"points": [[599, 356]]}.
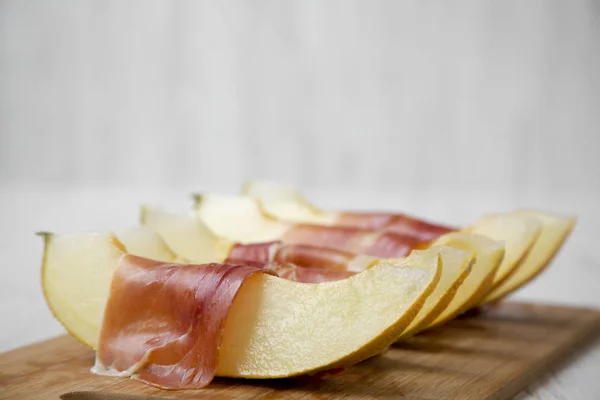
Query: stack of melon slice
{"points": [[279, 328], [531, 238]]}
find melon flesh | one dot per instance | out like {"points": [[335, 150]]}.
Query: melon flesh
{"points": [[489, 255], [456, 265], [518, 233], [76, 275], [143, 241], [554, 231], [238, 218], [186, 235], [286, 203]]}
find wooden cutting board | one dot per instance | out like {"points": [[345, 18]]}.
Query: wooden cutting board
{"points": [[490, 354]]}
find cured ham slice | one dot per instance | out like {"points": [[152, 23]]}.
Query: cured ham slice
{"points": [[310, 275], [298, 254], [353, 240], [256, 252], [395, 223], [298, 263], [163, 323], [314, 257]]}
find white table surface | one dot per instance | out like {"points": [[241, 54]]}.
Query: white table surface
{"points": [[573, 279]]}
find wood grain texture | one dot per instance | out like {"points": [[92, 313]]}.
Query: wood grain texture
{"points": [[490, 354]]}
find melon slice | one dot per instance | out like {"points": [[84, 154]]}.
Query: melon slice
{"points": [[145, 242], [238, 218], [286, 203], [517, 232], [555, 230], [489, 255], [456, 265], [76, 275], [275, 328], [186, 235]]}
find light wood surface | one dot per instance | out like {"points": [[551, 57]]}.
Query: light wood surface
{"points": [[490, 354]]}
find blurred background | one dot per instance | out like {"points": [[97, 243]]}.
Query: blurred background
{"points": [[447, 110]]}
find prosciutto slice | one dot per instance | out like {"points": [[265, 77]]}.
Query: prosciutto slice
{"points": [[402, 224], [301, 255], [298, 263], [310, 275], [163, 323], [353, 240]]}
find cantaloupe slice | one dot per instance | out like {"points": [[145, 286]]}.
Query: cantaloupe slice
{"points": [[238, 218], [489, 255], [275, 328], [286, 203], [456, 265], [554, 231], [186, 235], [143, 241], [517, 232], [76, 275]]}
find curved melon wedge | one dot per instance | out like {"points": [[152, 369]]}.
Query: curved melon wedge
{"points": [[456, 265], [238, 218], [286, 203], [76, 275], [489, 255], [145, 242], [275, 328], [280, 328], [186, 235], [518, 233], [555, 229]]}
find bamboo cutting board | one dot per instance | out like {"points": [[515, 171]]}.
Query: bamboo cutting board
{"points": [[491, 354]]}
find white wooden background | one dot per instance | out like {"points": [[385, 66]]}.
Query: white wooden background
{"points": [[445, 109], [425, 93]]}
